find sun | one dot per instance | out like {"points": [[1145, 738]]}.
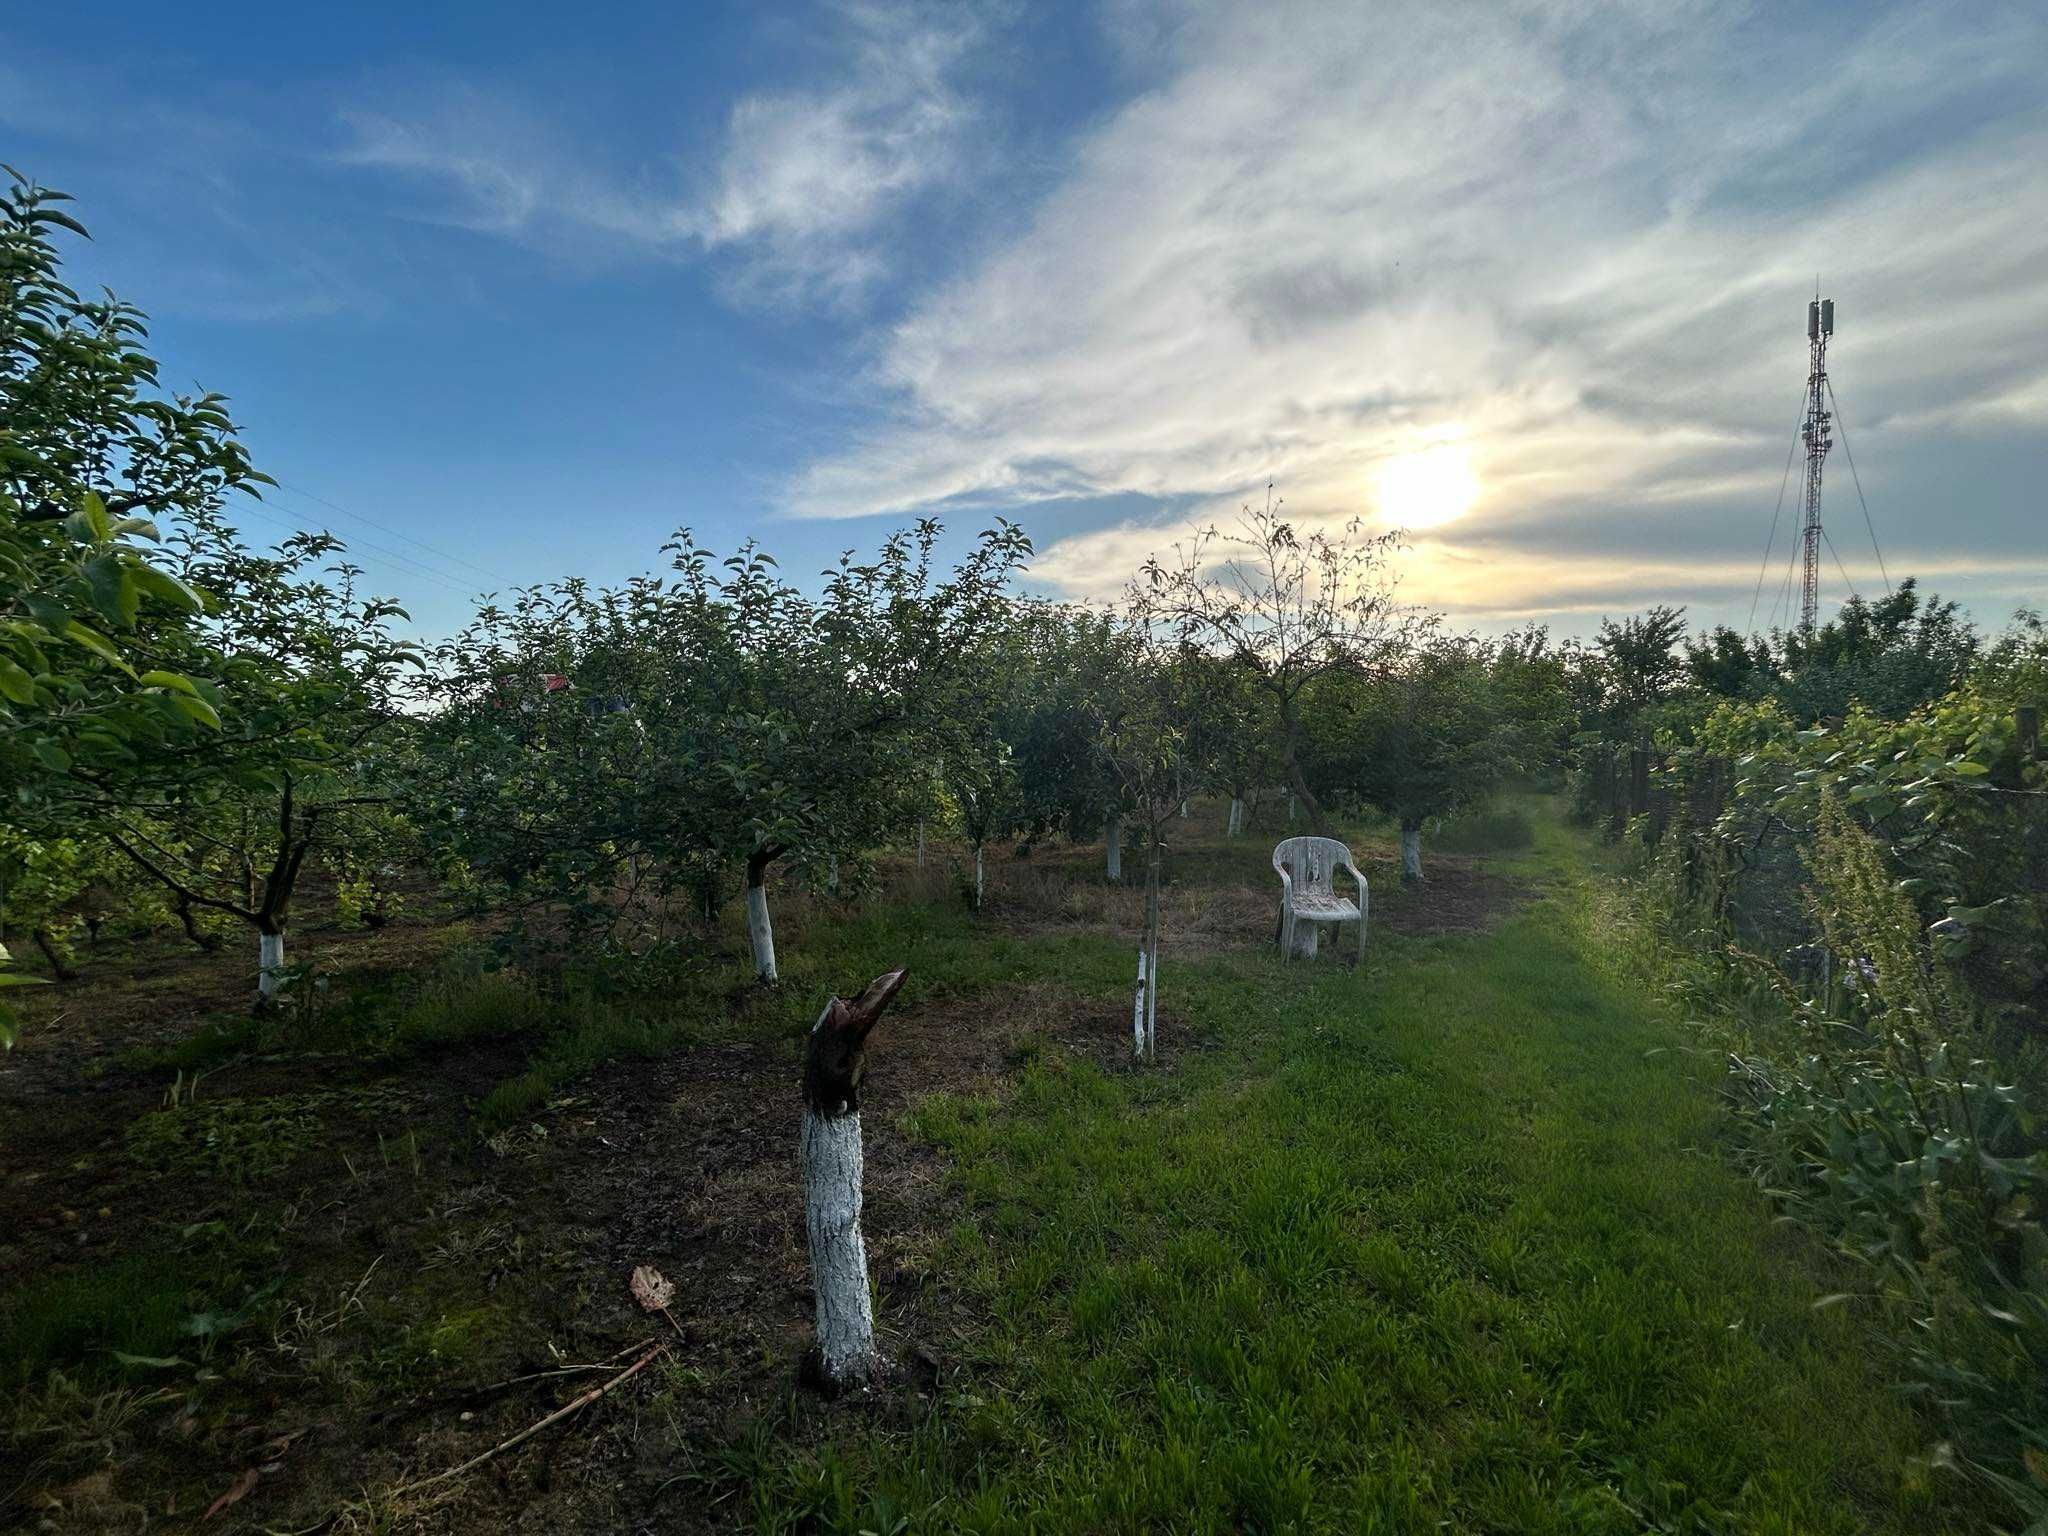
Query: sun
{"points": [[1428, 487]]}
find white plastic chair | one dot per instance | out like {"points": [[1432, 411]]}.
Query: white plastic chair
{"points": [[1308, 867]]}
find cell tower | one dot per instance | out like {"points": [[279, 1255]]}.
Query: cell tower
{"points": [[1818, 431]]}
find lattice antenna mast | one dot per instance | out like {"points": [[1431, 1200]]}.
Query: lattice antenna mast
{"points": [[1818, 431]]}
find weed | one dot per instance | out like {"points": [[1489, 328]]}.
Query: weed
{"points": [[243, 1141], [464, 1002]]}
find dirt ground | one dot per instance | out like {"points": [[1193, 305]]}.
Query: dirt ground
{"points": [[419, 1293]]}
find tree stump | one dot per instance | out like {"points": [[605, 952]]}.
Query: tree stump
{"points": [[833, 1171]]}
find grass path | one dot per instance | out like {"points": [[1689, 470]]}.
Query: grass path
{"points": [[1448, 1246]]}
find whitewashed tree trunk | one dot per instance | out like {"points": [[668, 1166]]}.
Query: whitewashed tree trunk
{"points": [[1138, 1007], [1183, 810], [978, 880], [1290, 808], [1235, 826], [269, 965], [833, 1169], [1113, 837], [761, 931], [1152, 949], [920, 844], [1411, 853], [1152, 996]]}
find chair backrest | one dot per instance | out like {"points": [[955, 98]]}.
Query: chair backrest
{"points": [[1312, 862]]}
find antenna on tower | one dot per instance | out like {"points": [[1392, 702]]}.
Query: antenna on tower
{"points": [[1818, 432]]}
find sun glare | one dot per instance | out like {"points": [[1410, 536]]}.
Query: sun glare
{"points": [[1428, 487]]}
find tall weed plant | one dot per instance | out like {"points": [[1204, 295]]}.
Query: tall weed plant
{"points": [[1874, 1115]]}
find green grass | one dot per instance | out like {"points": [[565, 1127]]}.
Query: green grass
{"points": [[138, 1304], [1486, 829], [948, 954], [1445, 1246]]}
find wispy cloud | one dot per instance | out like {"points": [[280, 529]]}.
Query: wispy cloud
{"points": [[1578, 239], [807, 176], [793, 201]]}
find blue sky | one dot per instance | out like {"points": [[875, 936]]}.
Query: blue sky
{"points": [[536, 287]]}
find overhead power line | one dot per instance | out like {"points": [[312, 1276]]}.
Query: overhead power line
{"points": [[1838, 562], [1857, 480], [390, 554], [364, 518], [1784, 480]]}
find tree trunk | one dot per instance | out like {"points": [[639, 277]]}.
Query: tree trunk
{"points": [[1411, 852], [376, 911], [269, 965], [1297, 781], [52, 954], [1235, 827], [979, 885], [833, 1170], [920, 842], [1113, 838], [1138, 1006], [759, 929], [1152, 952]]}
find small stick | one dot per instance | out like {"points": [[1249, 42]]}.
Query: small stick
{"points": [[533, 1429]]}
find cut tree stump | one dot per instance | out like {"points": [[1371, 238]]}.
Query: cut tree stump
{"points": [[833, 1169]]}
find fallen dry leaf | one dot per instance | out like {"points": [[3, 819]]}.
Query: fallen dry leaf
{"points": [[237, 1491], [650, 1289]]}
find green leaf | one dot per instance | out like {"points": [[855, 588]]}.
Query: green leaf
{"points": [[16, 685], [197, 709], [96, 519], [176, 681], [61, 220], [166, 586], [1968, 768], [10, 979], [53, 757], [97, 643], [113, 589]]}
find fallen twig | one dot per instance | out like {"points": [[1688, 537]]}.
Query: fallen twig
{"points": [[467, 1395], [531, 1430]]}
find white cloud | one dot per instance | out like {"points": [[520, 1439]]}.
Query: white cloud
{"points": [[796, 194], [1576, 239], [807, 175]]}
